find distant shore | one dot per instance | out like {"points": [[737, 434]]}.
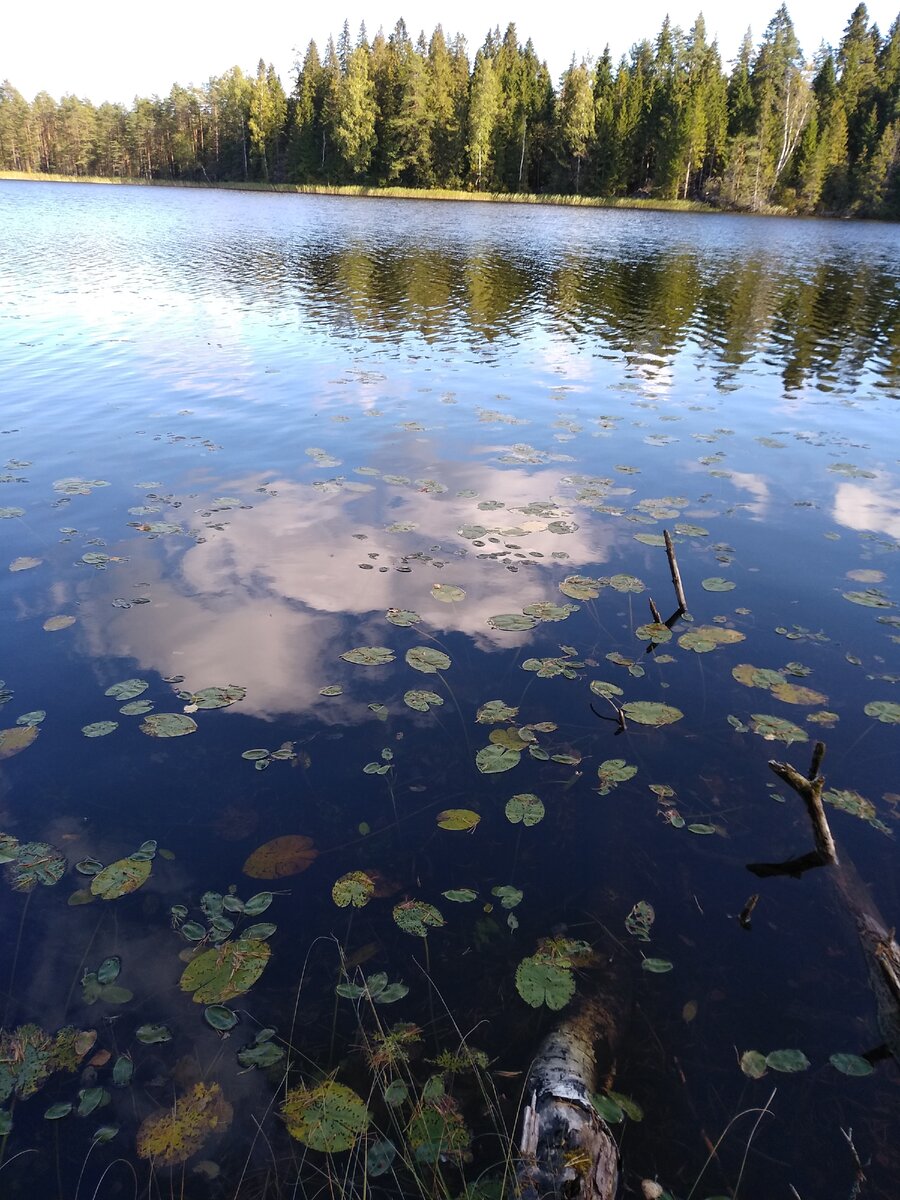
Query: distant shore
{"points": [[385, 193]]}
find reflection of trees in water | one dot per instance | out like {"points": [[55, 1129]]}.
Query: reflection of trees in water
{"points": [[825, 326]]}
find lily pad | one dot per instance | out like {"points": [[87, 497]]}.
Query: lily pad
{"points": [[220, 1017], [329, 1118], [34, 863], [581, 587], [494, 711], [657, 966], [282, 856], [870, 598], [540, 982], [25, 564], [608, 690], [218, 697], [640, 920], [99, 728], [417, 917], [128, 689], [171, 1137], [851, 1064], [524, 808], [885, 711], [458, 819], [355, 888], [168, 725], [753, 1064], [649, 712], [54, 624], [703, 638], [153, 1034], [422, 701], [14, 741], [121, 877], [612, 772], [229, 970], [136, 708], [545, 611], [460, 895], [427, 660], [777, 729], [447, 593], [402, 617], [491, 760], [788, 1061], [715, 583], [368, 656], [654, 631], [626, 583], [512, 622]]}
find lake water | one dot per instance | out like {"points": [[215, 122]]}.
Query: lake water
{"points": [[243, 435]]}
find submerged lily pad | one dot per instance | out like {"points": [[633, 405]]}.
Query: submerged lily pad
{"points": [[168, 725], [282, 856], [328, 1118], [427, 660], [649, 712], [368, 656], [753, 1064], [851, 1064], [25, 564]]}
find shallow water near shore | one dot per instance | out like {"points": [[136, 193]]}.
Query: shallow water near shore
{"points": [[320, 479]]}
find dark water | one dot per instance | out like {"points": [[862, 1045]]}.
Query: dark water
{"points": [[292, 415]]}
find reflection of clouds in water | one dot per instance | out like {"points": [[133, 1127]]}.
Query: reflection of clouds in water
{"points": [[261, 602], [864, 506], [745, 481]]}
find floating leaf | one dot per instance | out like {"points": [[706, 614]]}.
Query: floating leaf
{"points": [[753, 1064], [495, 711], [793, 693], [109, 970], [136, 708], [14, 741], [640, 919], [626, 583], [512, 622], [608, 690], [613, 771], [460, 895], [851, 1064], [153, 1035], [56, 1111], [128, 689], [380, 1157], [852, 802], [220, 1017], [525, 808], [170, 1138], [716, 583], [777, 729], [422, 701], [99, 728], [53, 624], [32, 718], [885, 711], [121, 877], [329, 1117], [649, 712], [417, 917], [288, 855], [260, 932], [333, 689], [437, 1131], [704, 638], [581, 587], [355, 888], [491, 760], [654, 631], [427, 660], [608, 1109], [368, 656], [218, 697], [788, 1061], [402, 617], [217, 975], [540, 982], [168, 725], [458, 819], [545, 611], [699, 827], [656, 966], [447, 593], [509, 896], [34, 863], [25, 564], [870, 598]]}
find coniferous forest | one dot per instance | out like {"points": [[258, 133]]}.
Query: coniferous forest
{"points": [[774, 128]]}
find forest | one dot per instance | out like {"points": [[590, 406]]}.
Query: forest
{"points": [[774, 129]]}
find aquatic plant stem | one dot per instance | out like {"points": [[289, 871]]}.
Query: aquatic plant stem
{"points": [[676, 574], [12, 970]]}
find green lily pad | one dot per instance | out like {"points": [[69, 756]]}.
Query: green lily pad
{"points": [[608, 690], [330, 1117], [427, 660], [136, 708], [121, 877], [402, 617], [654, 631], [856, 805], [493, 759], [753, 1064], [581, 587], [608, 1109], [218, 697], [54, 624], [777, 729], [227, 971], [460, 895], [851, 1064], [649, 712], [220, 1017], [700, 828], [716, 583], [128, 689], [447, 593], [34, 863], [262, 1054], [99, 728], [56, 1111], [510, 897], [640, 920], [690, 530], [870, 598], [524, 808], [885, 711], [788, 1061], [492, 712], [422, 701], [540, 982], [612, 772], [333, 689], [545, 611], [368, 656], [460, 820], [168, 725], [417, 917], [626, 583], [355, 888], [703, 638], [512, 622], [153, 1034], [657, 966]]}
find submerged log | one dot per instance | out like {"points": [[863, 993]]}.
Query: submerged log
{"points": [[567, 1149]]}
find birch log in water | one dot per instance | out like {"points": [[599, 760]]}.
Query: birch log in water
{"points": [[567, 1149]]}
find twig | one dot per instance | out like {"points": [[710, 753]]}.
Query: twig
{"points": [[747, 911], [676, 574], [620, 716], [810, 792], [654, 612], [860, 1178]]}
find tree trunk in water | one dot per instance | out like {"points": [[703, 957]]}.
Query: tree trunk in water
{"points": [[567, 1149]]}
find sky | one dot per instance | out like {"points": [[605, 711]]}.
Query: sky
{"points": [[105, 50]]}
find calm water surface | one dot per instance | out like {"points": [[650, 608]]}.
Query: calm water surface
{"points": [[239, 432]]}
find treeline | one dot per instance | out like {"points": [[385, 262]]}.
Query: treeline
{"points": [[666, 121]]}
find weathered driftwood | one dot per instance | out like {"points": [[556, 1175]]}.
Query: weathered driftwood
{"points": [[676, 574], [567, 1149], [809, 789]]}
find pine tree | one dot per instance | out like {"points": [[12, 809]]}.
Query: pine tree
{"points": [[576, 115], [484, 107], [354, 125]]}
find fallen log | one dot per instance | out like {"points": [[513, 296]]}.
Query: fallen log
{"points": [[566, 1148]]}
